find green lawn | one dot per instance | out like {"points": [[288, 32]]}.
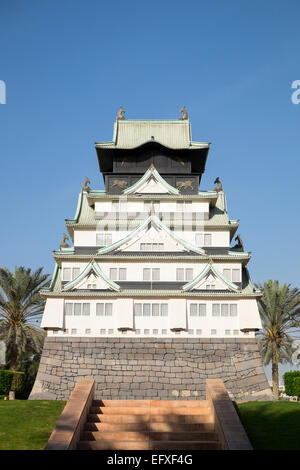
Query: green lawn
{"points": [[272, 425], [26, 424]]}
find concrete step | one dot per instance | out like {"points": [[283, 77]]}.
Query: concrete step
{"points": [[148, 426], [147, 418], [148, 445], [143, 410], [148, 436], [151, 403]]}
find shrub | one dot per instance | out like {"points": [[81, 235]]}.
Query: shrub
{"points": [[10, 380], [289, 384], [6, 377], [17, 381], [296, 382]]}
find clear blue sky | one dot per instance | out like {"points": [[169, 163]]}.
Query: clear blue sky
{"points": [[69, 64]]}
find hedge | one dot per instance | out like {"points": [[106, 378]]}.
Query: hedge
{"points": [[10, 380], [296, 382], [289, 383]]}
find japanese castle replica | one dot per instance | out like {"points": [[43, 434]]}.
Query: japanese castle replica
{"points": [[152, 298]]}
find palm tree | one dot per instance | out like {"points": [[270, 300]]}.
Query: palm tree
{"points": [[20, 306], [279, 309]]}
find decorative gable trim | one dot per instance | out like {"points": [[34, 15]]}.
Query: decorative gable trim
{"points": [[92, 266], [151, 173], [152, 219], [210, 267]]}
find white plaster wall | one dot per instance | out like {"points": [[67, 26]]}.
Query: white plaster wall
{"points": [[206, 324], [88, 237], [134, 270]]}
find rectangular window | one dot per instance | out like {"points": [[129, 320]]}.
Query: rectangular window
{"points": [[85, 309], [87, 331], [146, 274], [108, 310], [224, 310], [235, 332], [227, 332], [155, 310], [99, 310], [137, 332], [207, 239], [146, 332], [199, 332], [202, 310], [233, 310], [113, 274], [77, 309], [163, 332], [179, 274], [199, 239], [190, 332], [110, 331], [103, 239], [146, 310], [73, 331], [236, 275], [213, 332], [155, 332], [68, 308], [102, 331], [189, 274], [164, 310], [138, 310], [227, 274], [75, 272], [122, 274], [216, 310], [155, 274], [67, 274], [193, 310]]}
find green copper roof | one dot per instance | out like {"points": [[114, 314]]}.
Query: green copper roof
{"points": [[151, 172], [209, 267], [155, 220], [92, 266]]}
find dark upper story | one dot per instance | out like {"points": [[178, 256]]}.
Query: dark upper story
{"points": [[137, 145]]}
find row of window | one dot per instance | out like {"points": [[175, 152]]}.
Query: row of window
{"points": [[223, 310], [182, 274], [147, 331], [77, 309], [153, 309]]}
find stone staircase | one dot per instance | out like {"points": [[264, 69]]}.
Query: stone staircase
{"points": [[149, 425]]}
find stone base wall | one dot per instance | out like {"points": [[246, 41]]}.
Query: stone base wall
{"points": [[137, 368]]}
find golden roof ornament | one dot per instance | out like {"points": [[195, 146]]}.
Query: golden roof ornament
{"points": [[219, 186], [63, 243], [184, 116], [85, 186], [120, 114]]}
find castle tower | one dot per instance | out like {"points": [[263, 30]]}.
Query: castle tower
{"points": [[152, 298]]}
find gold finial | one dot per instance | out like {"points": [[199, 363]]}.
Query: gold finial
{"points": [[151, 167], [120, 113], [92, 261], [184, 116]]}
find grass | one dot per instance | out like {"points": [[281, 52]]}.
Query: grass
{"points": [[271, 425], [26, 424]]}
